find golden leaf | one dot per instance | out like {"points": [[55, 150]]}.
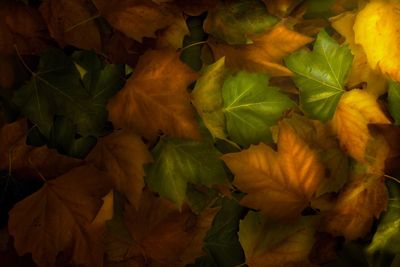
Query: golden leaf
{"points": [[280, 184]]}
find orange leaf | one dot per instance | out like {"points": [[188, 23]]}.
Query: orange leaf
{"points": [[266, 52], [359, 203], [155, 98], [280, 184], [56, 217]]}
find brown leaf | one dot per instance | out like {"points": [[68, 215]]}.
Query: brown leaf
{"points": [[121, 49], [281, 8], [72, 22], [362, 200], [56, 217], [122, 155], [21, 27], [280, 184], [161, 234], [135, 18], [266, 52], [155, 98]]}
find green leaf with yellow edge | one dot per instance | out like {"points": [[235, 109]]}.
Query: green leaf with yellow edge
{"points": [[320, 76], [394, 101], [251, 107], [207, 98], [234, 21], [267, 243], [177, 162]]}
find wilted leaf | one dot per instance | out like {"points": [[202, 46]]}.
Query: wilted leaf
{"points": [[355, 110], [22, 28], [394, 101], [320, 76], [135, 18], [196, 7], [161, 234], [266, 52], [280, 184], [177, 162], [281, 7], [174, 34], [122, 155], [236, 21], [58, 215], [251, 107], [72, 22], [361, 200], [155, 98]]}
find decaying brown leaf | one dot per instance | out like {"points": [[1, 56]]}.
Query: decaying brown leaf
{"points": [[56, 218], [155, 98]]}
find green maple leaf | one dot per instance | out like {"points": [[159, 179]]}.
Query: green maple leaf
{"points": [[251, 107], [394, 101], [320, 76], [178, 162], [222, 242], [57, 89], [234, 21]]}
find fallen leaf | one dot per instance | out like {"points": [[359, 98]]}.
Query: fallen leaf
{"points": [[355, 110], [135, 18], [359, 203], [269, 245], [22, 28], [163, 235], [122, 155], [252, 107], [178, 162], [72, 23], [280, 184], [173, 35], [360, 71], [235, 21], [207, 98], [155, 98], [320, 76], [266, 52], [375, 29], [58, 215], [394, 101]]}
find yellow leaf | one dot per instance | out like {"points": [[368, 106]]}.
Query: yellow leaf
{"points": [[122, 155], [174, 34], [355, 110], [155, 98], [360, 72], [58, 216], [266, 52], [376, 30], [280, 184], [358, 204]]}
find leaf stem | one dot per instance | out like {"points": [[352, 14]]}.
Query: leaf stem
{"points": [[82, 22], [194, 44], [393, 178]]}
